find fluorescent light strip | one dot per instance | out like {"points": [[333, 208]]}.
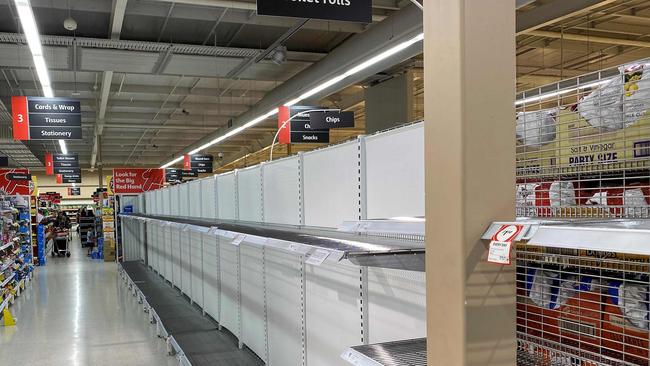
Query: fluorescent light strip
{"points": [[28, 23], [336, 79], [64, 149]]}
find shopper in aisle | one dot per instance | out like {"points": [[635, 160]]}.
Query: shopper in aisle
{"points": [[62, 221]]}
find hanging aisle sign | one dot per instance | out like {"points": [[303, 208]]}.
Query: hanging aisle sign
{"points": [[199, 164], [189, 174], [172, 175], [345, 10], [74, 191], [329, 120], [68, 178], [37, 118], [299, 130], [62, 164]]}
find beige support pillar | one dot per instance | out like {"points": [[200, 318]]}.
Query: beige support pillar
{"points": [[469, 55]]}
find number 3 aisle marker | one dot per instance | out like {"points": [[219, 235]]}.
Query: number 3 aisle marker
{"points": [[501, 244]]}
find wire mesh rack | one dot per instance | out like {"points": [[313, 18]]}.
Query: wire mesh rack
{"points": [[583, 146], [582, 307], [411, 352]]}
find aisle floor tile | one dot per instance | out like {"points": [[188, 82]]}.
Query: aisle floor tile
{"points": [[76, 313]]}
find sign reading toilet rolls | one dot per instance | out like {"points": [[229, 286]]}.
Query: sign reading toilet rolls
{"points": [[346, 10]]}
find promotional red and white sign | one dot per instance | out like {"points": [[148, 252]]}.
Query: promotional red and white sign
{"points": [[501, 244], [134, 180], [16, 182], [49, 164]]}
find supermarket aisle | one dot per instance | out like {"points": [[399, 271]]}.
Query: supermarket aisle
{"points": [[74, 313]]}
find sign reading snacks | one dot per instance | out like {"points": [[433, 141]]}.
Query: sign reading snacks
{"points": [[37, 118], [74, 191], [345, 10], [299, 130], [198, 163], [134, 180]]}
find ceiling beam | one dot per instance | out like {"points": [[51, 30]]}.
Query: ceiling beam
{"points": [[117, 18], [586, 38], [553, 12], [626, 16], [232, 94]]}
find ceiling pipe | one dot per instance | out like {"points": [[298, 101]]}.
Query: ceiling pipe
{"points": [[586, 38]]}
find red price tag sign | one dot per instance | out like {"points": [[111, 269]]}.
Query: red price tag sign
{"points": [[501, 244]]}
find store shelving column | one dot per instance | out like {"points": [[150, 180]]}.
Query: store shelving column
{"points": [[469, 177]]}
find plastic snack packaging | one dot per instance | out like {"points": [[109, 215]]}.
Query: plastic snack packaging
{"points": [[625, 321], [537, 127]]}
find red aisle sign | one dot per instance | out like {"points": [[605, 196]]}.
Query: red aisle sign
{"points": [[187, 162], [284, 137], [134, 180], [15, 181], [49, 164], [59, 179], [501, 244], [20, 118]]}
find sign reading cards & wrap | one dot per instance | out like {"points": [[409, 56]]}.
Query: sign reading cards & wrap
{"points": [[38, 118]]}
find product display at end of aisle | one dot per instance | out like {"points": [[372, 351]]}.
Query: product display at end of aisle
{"points": [[583, 292], [16, 253]]}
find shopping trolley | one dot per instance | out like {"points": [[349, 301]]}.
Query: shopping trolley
{"points": [[61, 245]]}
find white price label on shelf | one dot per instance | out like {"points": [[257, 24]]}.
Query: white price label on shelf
{"points": [[501, 244], [499, 252], [239, 239], [317, 257], [352, 357], [213, 230]]}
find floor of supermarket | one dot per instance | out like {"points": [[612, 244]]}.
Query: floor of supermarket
{"points": [[74, 313]]}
